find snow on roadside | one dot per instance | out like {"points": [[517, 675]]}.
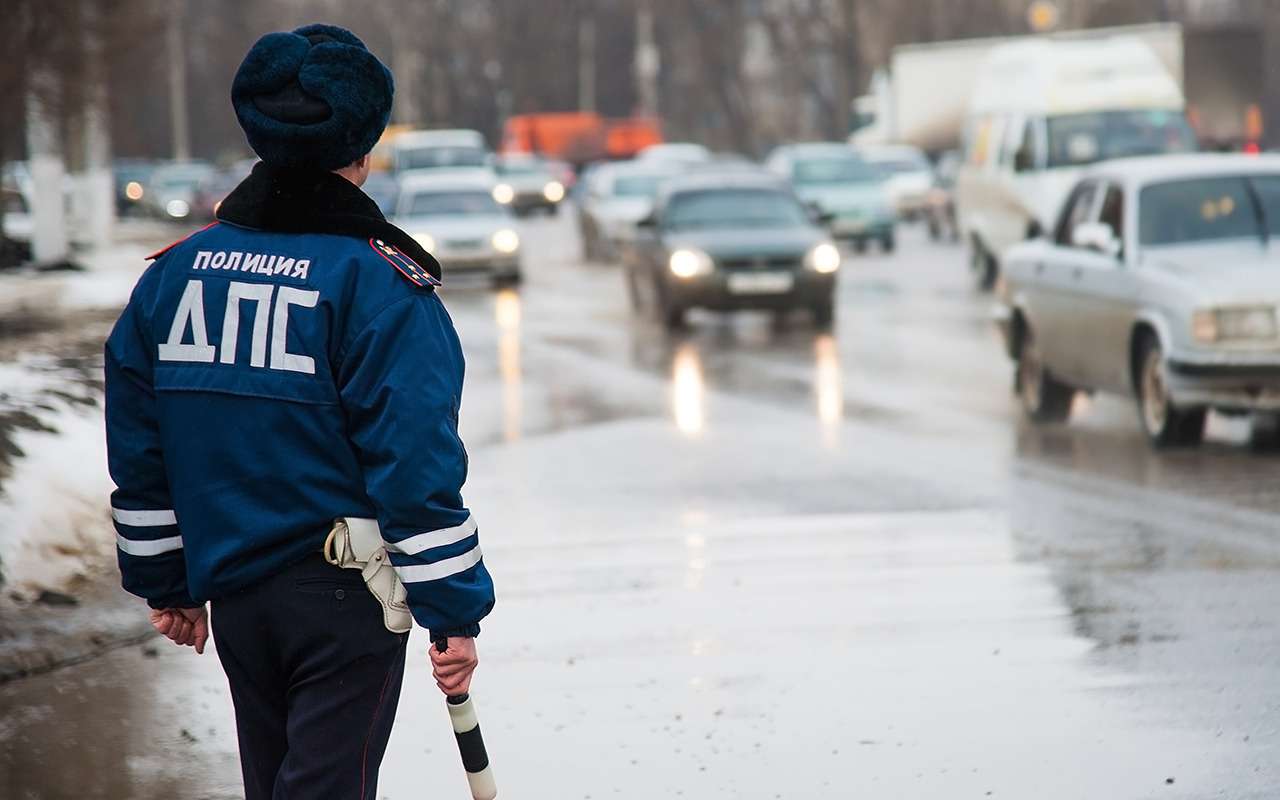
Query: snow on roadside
{"points": [[54, 515], [56, 525], [109, 279], [106, 282]]}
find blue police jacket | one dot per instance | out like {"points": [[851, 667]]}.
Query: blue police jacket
{"points": [[290, 364]]}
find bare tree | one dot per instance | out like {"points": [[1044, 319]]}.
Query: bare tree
{"points": [[737, 74], [817, 43]]}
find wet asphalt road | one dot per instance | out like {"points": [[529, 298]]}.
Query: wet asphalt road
{"points": [[756, 561]]}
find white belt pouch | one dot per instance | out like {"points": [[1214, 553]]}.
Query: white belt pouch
{"points": [[356, 543]]}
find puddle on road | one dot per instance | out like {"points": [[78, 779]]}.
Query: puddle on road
{"points": [[1227, 469], [792, 366]]}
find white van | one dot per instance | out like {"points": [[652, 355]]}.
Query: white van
{"points": [[1042, 110]]}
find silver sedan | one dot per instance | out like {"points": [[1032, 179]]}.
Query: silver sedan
{"points": [[614, 198], [1160, 281]]}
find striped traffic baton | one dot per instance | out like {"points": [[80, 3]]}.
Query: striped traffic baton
{"points": [[466, 729]]}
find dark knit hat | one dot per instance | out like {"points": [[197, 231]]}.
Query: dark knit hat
{"points": [[315, 97]]}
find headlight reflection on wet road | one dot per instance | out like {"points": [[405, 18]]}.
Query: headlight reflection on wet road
{"points": [[828, 386], [506, 312], [688, 390], [695, 549]]}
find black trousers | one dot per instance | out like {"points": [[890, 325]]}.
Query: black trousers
{"points": [[315, 677]]}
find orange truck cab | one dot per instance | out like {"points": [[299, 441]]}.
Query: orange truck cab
{"points": [[579, 137]]}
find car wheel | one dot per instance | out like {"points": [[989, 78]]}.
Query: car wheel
{"points": [[935, 228], [508, 281], [670, 313], [1165, 424], [982, 265], [633, 290], [673, 316], [594, 245], [824, 312], [888, 243], [1044, 398], [1264, 432]]}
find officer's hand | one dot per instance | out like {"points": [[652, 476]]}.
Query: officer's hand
{"points": [[454, 667], [184, 626]]}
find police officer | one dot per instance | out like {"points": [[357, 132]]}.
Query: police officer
{"points": [[288, 366]]}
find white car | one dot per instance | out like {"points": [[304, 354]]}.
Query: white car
{"points": [[15, 228], [613, 199], [831, 177], [1158, 281], [171, 188], [908, 177], [441, 149], [16, 215], [455, 217]]}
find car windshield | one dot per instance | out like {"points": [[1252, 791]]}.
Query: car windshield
{"points": [[1077, 139], [132, 173], [181, 178], [435, 204], [677, 152], [734, 208], [521, 168], [13, 203], [819, 171], [441, 158], [637, 186], [1209, 209], [897, 166], [222, 182]]}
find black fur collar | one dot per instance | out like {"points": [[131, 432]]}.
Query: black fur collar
{"points": [[314, 201]]}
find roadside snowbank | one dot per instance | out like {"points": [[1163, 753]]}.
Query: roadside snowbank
{"points": [[56, 524], [106, 282], [54, 515]]}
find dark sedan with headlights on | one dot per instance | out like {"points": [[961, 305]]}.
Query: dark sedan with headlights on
{"points": [[526, 183], [728, 242]]}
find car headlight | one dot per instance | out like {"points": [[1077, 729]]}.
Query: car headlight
{"points": [[690, 263], [427, 241], [1235, 324], [506, 241], [177, 208], [133, 190], [504, 194], [553, 191], [824, 258]]}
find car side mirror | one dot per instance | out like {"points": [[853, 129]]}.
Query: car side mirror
{"points": [[1096, 236], [819, 217], [648, 223]]}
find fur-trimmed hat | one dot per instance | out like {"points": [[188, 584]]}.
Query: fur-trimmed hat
{"points": [[314, 97]]}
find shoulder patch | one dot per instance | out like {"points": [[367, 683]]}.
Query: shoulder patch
{"points": [[405, 265], [172, 245]]}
